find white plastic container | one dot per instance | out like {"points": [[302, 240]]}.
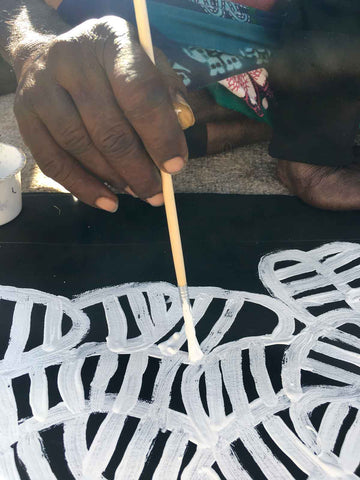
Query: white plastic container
{"points": [[12, 161]]}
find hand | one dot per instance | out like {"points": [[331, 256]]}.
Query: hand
{"points": [[95, 111]]}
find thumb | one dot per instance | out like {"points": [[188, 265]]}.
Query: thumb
{"points": [[177, 91], [183, 111]]}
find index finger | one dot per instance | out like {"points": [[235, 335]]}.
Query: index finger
{"points": [[145, 100]]}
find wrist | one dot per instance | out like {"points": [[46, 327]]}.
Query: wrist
{"points": [[27, 51], [26, 28]]}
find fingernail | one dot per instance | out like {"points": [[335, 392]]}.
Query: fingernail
{"points": [[130, 192], [184, 113], [174, 165], [107, 204], [156, 200]]}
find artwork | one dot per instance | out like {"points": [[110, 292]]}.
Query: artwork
{"points": [[125, 407]]}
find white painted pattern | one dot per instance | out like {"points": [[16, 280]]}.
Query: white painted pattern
{"points": [[157, 310]]}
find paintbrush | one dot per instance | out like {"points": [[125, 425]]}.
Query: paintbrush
{"points": [[195, 353]]}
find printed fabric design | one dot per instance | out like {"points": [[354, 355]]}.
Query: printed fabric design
{"points": [[236, 10], [205, 41], [252, 87], [215, 65], [222, 8]]}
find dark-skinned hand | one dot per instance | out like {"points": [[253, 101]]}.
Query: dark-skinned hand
{"points": [[96, 113]]}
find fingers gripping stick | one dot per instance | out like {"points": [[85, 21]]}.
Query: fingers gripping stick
{"points": [[195, 353]]}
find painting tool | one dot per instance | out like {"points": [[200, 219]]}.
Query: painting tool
{"points": [[195, 353]]}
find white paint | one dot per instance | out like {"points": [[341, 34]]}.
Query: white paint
{"points": [[195, 353], [213, 432], [39, 398], [169, 347]]}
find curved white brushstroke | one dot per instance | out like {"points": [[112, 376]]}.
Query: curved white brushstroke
{"points": [[350, 451], [103, 445], [31, 452], [8, 467], [131, 385], [331, 424], [52, 327], [174, 451], [75, 447], [214, 433], [260, 374], [105, 370], [20, 331], [39, 397], [70, 385], [9, 429]]}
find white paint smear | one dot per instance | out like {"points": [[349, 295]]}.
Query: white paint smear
{"points": [[229, 395]]}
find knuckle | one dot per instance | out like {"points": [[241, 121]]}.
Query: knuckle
{"points": [[62, 172], [74, 139], [65, 41], [56, 169], [108, 20], [66, 52], [110, 24], [115, 36], [116, 142]]}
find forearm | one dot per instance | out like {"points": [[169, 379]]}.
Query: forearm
{"points": [[24, 24]]}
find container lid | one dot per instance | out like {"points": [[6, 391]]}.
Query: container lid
{"points": [[12, 160]]}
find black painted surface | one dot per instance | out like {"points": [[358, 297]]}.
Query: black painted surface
{"points": [[65, 248]]}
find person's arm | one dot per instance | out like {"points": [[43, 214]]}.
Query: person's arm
{"points": [[24, 26]]}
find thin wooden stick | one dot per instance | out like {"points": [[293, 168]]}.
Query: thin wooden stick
{"points": [[195, 353], [174, 229], [143, 26]]}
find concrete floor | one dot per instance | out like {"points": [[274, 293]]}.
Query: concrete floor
{"points": [[246, 170]]}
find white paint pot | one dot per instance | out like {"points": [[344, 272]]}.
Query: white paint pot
{"points": [[12, 162]]}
